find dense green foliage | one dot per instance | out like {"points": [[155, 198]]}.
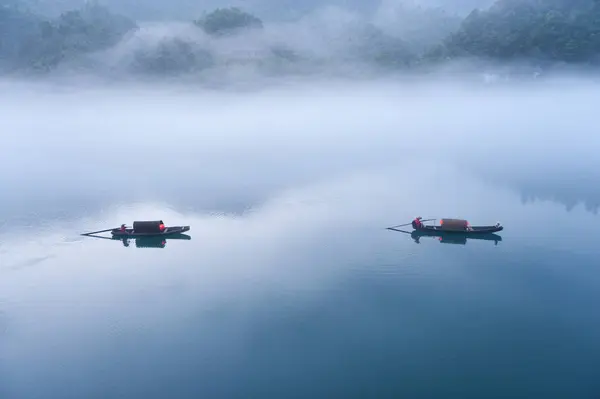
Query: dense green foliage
{"points": [[552, 30], [228, 20], [419, 27], [172, 56], [539, 30], [32, 42], [376, 47]]}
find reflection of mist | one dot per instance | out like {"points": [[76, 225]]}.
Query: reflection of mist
{"points": [[569, 186], [587, 194], [241, 290], [3, 325], [297, 273]]}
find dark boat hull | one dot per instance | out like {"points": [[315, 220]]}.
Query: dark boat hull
{"points": [[168, 231], [475, 230]]}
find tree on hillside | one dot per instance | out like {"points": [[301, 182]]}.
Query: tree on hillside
{"points": [[384, 50], [17, 25], [91, 28], [554, 30], [227, 21], [31, 42], [172, 56]]}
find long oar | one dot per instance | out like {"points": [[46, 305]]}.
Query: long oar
{"points": [[102, 237], [406, 224], [398, 230], [96, 232]]}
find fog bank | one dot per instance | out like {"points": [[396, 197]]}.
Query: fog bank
{"points": [[65, 147]]}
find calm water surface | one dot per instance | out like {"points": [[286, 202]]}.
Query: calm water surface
{"points": [[290, 286]]}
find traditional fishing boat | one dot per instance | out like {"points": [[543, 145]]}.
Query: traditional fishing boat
{"points": [[451, 226], [143, 229], [455, 226], [148, 228]]}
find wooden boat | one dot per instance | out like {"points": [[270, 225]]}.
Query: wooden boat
{"points": [[473, 230], [451, 226], [154, 228], [149, 228], [460, 226]]}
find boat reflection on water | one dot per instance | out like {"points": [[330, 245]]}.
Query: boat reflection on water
{"points": [[147, 242], [153, 241], [454, 237]]}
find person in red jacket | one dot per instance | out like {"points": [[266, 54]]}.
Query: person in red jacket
{"points": [[416, 224], [161, 226]]}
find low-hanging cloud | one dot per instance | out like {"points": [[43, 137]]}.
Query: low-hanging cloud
{"points": [[392, 37], [329, 40]]}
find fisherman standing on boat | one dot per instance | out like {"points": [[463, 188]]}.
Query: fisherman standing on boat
{"points": [[416, 224], [161, 226], [123, 228]]}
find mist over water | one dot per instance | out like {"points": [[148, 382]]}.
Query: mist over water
{"points": [[290, 275], [132, 139]]}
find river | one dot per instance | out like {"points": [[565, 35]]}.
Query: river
{"points": [[289, 284]]}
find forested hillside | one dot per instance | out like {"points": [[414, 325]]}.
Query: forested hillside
{"points": [[397, 37], [28, 41], [556, 30]]}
